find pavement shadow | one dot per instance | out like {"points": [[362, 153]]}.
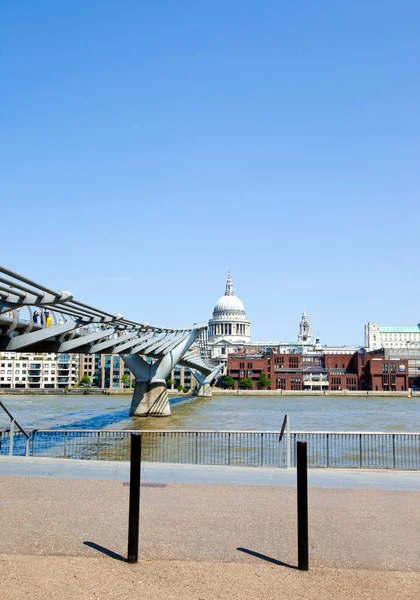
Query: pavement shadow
{"points": [[106, 551], [280, 563]]}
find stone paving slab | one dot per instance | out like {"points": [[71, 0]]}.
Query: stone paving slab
{"points": [[349, 529], [81, 578]]}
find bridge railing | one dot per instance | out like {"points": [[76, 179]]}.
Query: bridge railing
{"points": [[375, 450]]}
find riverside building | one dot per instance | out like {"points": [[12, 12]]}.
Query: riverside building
{"points": [[38, 371], [382, 336], [371, 371]]}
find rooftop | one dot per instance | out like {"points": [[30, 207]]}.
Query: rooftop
{"points": [[401, 329]]}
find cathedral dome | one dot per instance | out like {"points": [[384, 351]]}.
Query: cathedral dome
{"points": [[229, 303], [229, 320]]}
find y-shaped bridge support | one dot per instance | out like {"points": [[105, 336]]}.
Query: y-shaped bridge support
{"points": [[150, 396], [205, 381]]}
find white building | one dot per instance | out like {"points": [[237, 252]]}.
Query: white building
{"points": [[399, 338], [229, 327], [39, 371]]}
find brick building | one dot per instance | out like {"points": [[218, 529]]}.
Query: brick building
{"points": [[321, 372]]}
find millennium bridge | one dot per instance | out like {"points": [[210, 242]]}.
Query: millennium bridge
{"points": [[37, 319]]}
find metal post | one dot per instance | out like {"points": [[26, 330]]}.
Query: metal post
{"points": [[393, 450], [33, 442], [27, 453], [302, 506], [134, 507], [65, 445], [288, 443], [360, 450], [11, 436], [328, 449], [196, 447]]}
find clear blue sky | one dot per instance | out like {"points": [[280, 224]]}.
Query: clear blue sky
{"points": [[148, 147]]}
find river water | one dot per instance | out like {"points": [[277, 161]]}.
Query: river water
{"points": [[310, 413]]}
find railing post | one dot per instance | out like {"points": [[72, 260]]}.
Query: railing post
{"points": [[393, 451], [262, 449], [65, 445], [228, 448], [196, 447], [302, 506], [11, 436], [328, 450], [33, 442], [288, 443], [97, 446], [134, 506], [163, 449], [360, 450], [27, 451]]}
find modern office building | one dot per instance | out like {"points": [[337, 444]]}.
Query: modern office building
{"points": [[38, 371]]}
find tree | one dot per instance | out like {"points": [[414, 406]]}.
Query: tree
{"points": [[170, 383], [133, 383], [228, 381], [245, 384], [263, 381], [125, 380], [85, 380]]}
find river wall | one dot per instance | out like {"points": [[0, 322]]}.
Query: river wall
{"points": [[215, 391]]}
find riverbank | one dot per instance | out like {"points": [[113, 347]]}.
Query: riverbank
{"points": [[82, 391], [288, 393], [215, 392]]}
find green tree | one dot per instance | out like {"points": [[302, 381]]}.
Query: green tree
{"points": [[263, 381], [170, 382], [245, 384], [85, 380], [228, 381], [125, 380], [133, 383]]}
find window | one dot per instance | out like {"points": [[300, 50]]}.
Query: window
{"points": [[384, 367], [250, 365], [241, 365], [393, 367]]}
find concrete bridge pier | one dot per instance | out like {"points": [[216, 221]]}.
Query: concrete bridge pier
{"points": [[150, 397], [205, 381]]}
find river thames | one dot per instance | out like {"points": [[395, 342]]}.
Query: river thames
{"points": [[265, 413]]}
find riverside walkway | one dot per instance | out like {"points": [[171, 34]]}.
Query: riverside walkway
{"points": [[205, 532]]}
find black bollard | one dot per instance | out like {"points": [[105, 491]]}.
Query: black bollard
{"points": [[302, 506], [134, 507]]}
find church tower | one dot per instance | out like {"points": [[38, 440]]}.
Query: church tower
{"points": [[305, 337]]}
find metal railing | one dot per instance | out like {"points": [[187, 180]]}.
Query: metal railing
{"points": [[375, 450], [10, 433]]}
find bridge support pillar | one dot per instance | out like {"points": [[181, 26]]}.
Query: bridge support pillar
{"points": [[150, 398], [205, 381]]}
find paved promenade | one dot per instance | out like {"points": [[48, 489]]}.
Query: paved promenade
{"points": [[176, 473], [206, 533]]}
